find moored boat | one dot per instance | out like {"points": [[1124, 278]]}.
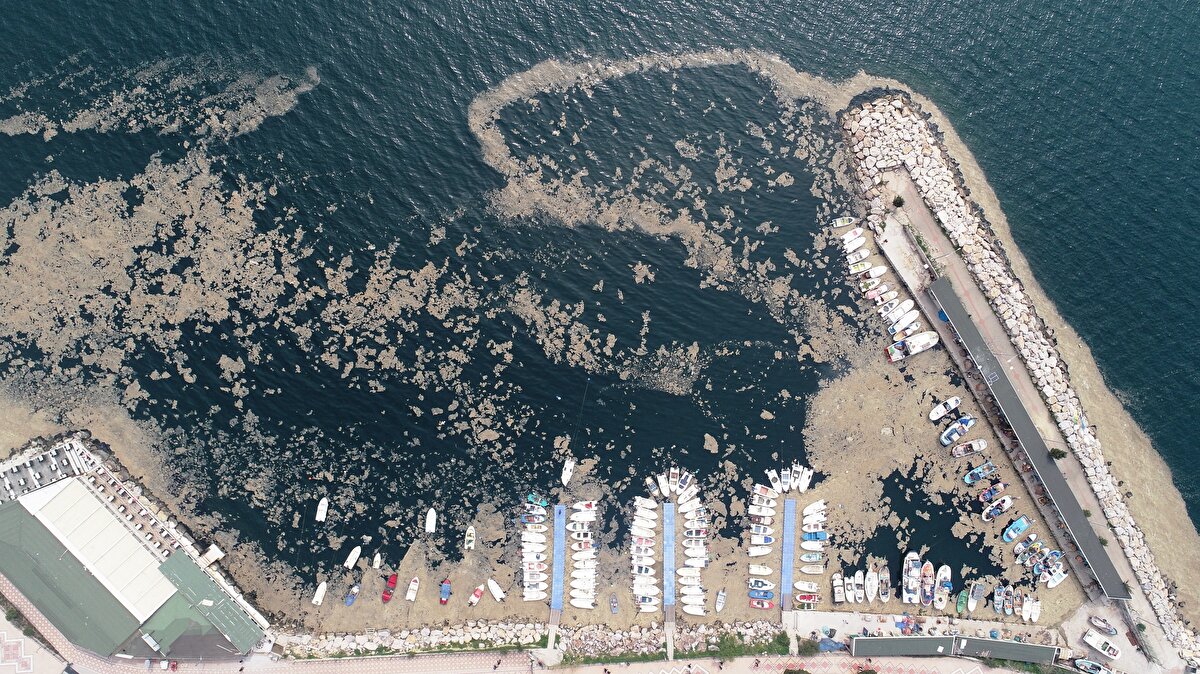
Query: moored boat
{"points": [[910, 578], [839, 591], [378, 561], [352, 594], [873, 273], [851, 235], [413, 584], [390, 588], [945, 407], [927, 583], [885, 584], [568, 470], [1102, 625], [964, 449], [813, 569], [998, 508], [977, 593], [319, 595], [894, 313], [352, 558], [844, 221], [941, 593], [911, 346], [993, 491], [858, 255], [322, 509], [856, 243], [1017, 528], [430, 521], [961, 604], [469, 539], [904, 321], [986, 469], [957, 430]]}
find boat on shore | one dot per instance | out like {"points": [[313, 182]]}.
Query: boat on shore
{"points": [[957, 430], [319, 595], [986, 469], [893, 313], [1017, 528], [873, 273], [858, 255], [998, 508], [904, 321], [413, 584], [871, 585], [1102, 625], [469, 539], [1091, 666], [352, 594], [390, 588], [851, 235], [855, 244], [444, 592], [945, 407], [965, 449], [922, 341], [927, 583], [322, 509], [494, 588], [1101, 644], [845, 221]]}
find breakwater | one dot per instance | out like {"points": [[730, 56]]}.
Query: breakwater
{"points": [[891, 132]]}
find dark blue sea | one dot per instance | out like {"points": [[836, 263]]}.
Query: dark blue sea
{"points": [[375, 327]]}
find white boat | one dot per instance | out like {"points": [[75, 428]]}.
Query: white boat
{"points": [[584, 506], [430, 521], [1036, 612], [813, 569], [643, 523], [813, 527], [583, 555], [895, 313], [535, 577], [642, 532], [720, 600], [758, 551], [884, 299], [904, 321], [673, 479], [886, 308], [875, 272], [812, 546], [761, 540], [584, 584], [536, 528], [871, 585], [534, 595], [851, 235], [696, 562], [692, 599], [568, 470], [469, 539], [858, 255], [945, 407], [696, 524], [582, 516], [643, 571], [494, 588], [643, 560], [530, 537], [664, 485], [377, 561], [352, 558], [860, 590], [855, 244], [759, 570], [848, 586], [694, 573], [528, 547], [688, 493], [689, 580], [319, 595], [1026, 608], [322, 509], [585, 604], [646, 514], [764, 490], [413, 584], [761, 529], [785, 480], [762, 501], [844, 221], [583, 574], [1057, 576], [818, 518], [690, 506], [585, 564], [1101, 644], [814, 508], [761, 511], [773, 478], [839, 589], [645, 589], [691, 609], [642, 502], [911, 346], [807, 586]]}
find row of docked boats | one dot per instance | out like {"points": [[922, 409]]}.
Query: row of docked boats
{"points": [[681, 487], [642, 554], [535, 539], [900, 316], [584, 515], [860, 587]]}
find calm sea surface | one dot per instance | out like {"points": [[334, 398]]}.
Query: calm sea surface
{"points": [[1084, 117]]}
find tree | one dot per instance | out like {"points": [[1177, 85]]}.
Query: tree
{"points": [[1056, 453], [1103, 541], [1087, 513], [898, 201]]}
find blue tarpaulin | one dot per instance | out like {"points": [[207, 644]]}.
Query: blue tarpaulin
{"points": [[829, 646]]}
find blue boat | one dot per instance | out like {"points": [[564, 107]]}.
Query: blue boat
{"points": [[957, 430], [980, 472], [761, 594], [816, 536], [1017, 528], [444, 592], [352, 595], [537, 500]]}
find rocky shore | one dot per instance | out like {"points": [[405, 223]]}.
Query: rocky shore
{"points": [[890, 133], [597, 640]]}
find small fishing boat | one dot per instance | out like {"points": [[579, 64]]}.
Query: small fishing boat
{"points": [[761, 530], [689, 506], [927, 583], [986, 469], [685, 482], [583, 546], [758, 551], [589, 517], [645, 587], [763, 490], [1027, 558], [845, 221], [1036, 612], [839, 591], [848, 585], [1017, 528], [998, 599], [687, 573], [444, 592], [352, 594], [534, 566], [998, 508], [868, 284], [645, 541], [578, 526], [531, 537], [322, 509], [762, 501], [643, 560], [664, 485], [1101, 644], [533, 595], [1102, 625], [642, 502], [812, 546], [643, 571], [430, 521], [858, 255], [585, 603], [851, 235], [696, 562], [961, 604], [1056, 576], [785, 480], [886, 307], [1091, 667], [1008, 600], [539, 501], [528, 548], [957, 430], [1026, 607], [908, 331], [673, 479], [911, 346], [533, 509], [568, 470], [885, 584], [759, 570], [910, 578], [761, 511], [612, 603], [812, 557], [762, 540], [475, 596], [945, 407], [807, 586], [319, 595], [532, 578], [876, 292], [993, 491], [871, 585], [694, 543], [760, 584], [882, 299], [814, 508], [813, 569], [856, 243], [1024, 544], [818, 518], [773, 478], [413, 584], [643, 523], [813, 527], [763, 520], [860, 590], [352, 558], [693, 609], [762, 604], [642, 532], [761, 594], [494, 588], [377, 561], [977, 592], [815, 536], [532, 519], [941, 592], [720, 605], [893, 314], [965, 449], [469, 539], [390, 588], [903, 322], [874, 273]]}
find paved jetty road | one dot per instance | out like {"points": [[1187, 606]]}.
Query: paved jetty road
{"points": [[997, 379], [668, 557], [789, 548], [560, 557]]}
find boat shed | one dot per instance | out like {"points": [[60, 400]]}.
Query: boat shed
{"points": [[935, 646], [870, 647]]}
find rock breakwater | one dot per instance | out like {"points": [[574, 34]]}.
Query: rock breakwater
{"points": [[890, 133], [470, 634]]}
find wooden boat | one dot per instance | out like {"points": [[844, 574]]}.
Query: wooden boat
{"points": [[762, 604], [860, 590], [957, 430], [814, 508], [430, 521], [494, 588], [444, 592], [984, 470], [997, 509], [720, 605], [1102, 625], [1101, 644], [977, 592], [475, 596], [851, 235], [813, 569], [927, 583], [758, 551], [612, 603], [965, 449], [319, 595], [1091, 666], [893, 314], [941, 592], [885, 584], [812, 546], [911, 346], [871, 585], [352, 558], [322, 509], [904, 321], [860, 267], [759, 570], [858, 255], [877, 292], [993, 491], [945, 407], [469, 539], [1017, 528], [839, 591], [844, 222], [855, 244], [868, 284], [352, 594]]}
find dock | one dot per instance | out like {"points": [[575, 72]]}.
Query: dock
{"points": [[669, 577], [559, 570], [789, 550]]}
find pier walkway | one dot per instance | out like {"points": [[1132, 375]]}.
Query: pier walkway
{"points": [[669, 577], [559, 570], [789, 550]]}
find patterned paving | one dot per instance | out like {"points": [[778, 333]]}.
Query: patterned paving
{"points": [[12, 654]]}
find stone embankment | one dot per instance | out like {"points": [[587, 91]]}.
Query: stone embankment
{"points": [[471, 634], [597, 640], [889, 133]]}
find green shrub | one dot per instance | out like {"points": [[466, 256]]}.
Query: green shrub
{"points": [[1056, 453], [898, 201]]}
